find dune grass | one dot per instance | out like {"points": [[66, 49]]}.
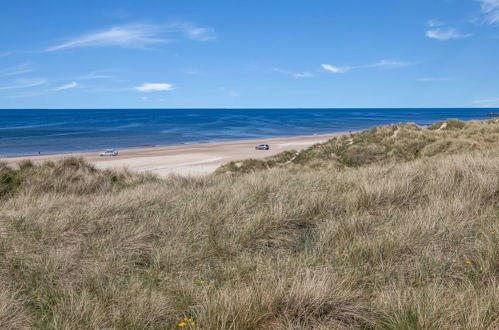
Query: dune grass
{"points": [[384, 144], [397, 242]]}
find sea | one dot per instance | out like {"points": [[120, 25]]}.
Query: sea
{"points": [[46, 131]]}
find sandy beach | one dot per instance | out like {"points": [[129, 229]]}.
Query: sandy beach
{"points": [[195, 159]]}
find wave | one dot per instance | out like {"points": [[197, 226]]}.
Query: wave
{"points": [[34, 126]]}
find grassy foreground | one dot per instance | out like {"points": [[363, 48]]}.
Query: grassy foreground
{"points": [[399, 240]]}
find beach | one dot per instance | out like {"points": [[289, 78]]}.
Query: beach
{"points": [[187, 160]]}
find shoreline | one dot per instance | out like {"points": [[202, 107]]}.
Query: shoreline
{"points": [[185, 159], [159, 146]]}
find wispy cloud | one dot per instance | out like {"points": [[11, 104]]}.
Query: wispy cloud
{"points": [[137, 36], [131, 36], [2, 54], [193, 31], [335, 69], [154, 87], [446, 34], [296, 75], [383, 64], [16, 70], [24, 83], [491, 101], [299, 75], [432, 79], [72, 84], [229, 92], [491, 10], [92, 76], [434, 23], [389, 64]]}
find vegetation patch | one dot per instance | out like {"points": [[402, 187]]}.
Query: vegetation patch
{"points": [[392, 228]]}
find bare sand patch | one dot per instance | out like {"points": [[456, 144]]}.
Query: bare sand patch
{"points": [[196, 159]]}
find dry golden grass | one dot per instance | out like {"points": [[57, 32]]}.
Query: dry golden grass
{"points": [[384, 144], [391, 245]]}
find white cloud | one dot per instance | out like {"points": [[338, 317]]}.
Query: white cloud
{"points": [[383, 64], [193, 31], [434, 23], [72, 84], [445, 34], [16, 70], [137, 36], [300, 75], [389, 64], [24, 83], [296, 75], [131, 36], [335, 69], [432, 79], [493, 100], [491, 9], [154, 87], [229, 92], [92, 76]]}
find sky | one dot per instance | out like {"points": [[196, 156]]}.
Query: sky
{"points": [[259, 53]]}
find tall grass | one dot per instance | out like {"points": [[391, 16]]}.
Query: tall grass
{"points": [[384, 144], [391, 245]]}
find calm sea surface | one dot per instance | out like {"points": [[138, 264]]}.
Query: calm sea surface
{"points": [[27, 132]]}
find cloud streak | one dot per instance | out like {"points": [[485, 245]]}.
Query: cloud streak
{"points": [[24, 83], [491, 10], [383, 64], [154, 87], [296, 75], [128, 36], [139, 36], [72, 84], [446, 34], [94, 76], [487, 101], [193, 31], [16, 70], [432, 79]]}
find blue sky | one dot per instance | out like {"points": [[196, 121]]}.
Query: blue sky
{"points": [[200, 53]]}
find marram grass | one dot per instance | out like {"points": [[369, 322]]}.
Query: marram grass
{"points": [[395, 242]]}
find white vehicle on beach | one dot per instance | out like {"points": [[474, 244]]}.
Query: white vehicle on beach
{"points": [[109, 152]]}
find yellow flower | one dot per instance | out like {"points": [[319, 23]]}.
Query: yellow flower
{"points": [[492, 233], [468, 262], [182, 324], [193, 323], [190, 320]]}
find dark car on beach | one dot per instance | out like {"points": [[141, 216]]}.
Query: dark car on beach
{"points": [[262, 147]]}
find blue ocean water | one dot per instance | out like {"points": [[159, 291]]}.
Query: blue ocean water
{"points": [[27, 132]]}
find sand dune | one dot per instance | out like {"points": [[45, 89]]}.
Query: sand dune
{"points": [[198, 159]]}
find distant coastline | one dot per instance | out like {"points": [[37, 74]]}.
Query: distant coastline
{"points": [[193, 159], [28, 132]]}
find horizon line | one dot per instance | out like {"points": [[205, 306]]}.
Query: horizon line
{"points": [[248, 108]]}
